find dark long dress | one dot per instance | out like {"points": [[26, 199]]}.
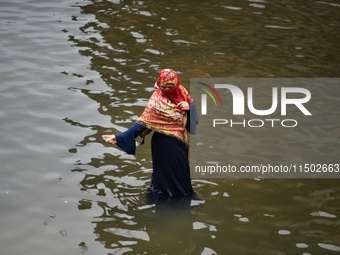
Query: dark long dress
{"points": [[171, 172]]}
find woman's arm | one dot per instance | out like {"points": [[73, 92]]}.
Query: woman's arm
{"points": [[192, 120], [184, 106], [126, 140]]}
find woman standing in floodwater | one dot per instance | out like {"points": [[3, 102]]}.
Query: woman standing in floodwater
{"points": [[166, 113]]}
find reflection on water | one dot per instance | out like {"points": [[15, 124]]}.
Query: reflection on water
{"points": [[132, 39], [128, 43], [73, 71]]}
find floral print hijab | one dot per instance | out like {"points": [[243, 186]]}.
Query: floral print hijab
{"points": [[175, 94], [161, 113]]}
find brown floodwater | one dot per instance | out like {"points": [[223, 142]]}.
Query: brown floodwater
{"points": [[74, 70]]}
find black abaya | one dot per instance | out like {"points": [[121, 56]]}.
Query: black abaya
{"points": [[171, 172]]}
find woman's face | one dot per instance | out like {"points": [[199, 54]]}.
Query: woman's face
{"points": [[167, 85]]}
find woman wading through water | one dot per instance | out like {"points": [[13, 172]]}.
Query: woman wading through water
{"points": [[166, 113]]}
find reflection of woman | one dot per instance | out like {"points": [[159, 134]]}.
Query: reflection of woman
{"points": [[166, 113]]}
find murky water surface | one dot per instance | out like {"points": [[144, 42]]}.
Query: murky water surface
{"points": [[74, 70]]}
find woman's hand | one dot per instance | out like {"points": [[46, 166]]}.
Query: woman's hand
{"points": [[110, 139], [184, 106]]}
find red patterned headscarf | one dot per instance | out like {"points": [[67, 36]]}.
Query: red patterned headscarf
{"points": [[162, 114], [175, 93]]}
